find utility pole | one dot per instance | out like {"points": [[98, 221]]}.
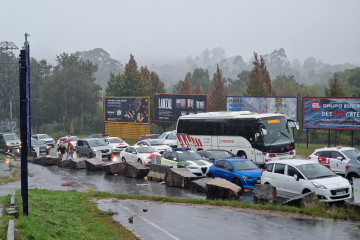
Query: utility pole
{"points": [[24, 108]]}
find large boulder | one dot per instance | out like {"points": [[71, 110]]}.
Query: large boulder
{"points": [[94, 164], [78, 163], [158, 172], [46, 160], [64, 163], [115, 168], [302, 200], [219, 188], [136, 170], [199, 185], [265, 194], [179, 177]]}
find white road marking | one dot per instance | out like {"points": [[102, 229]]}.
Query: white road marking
{"points": [[151, 223]]}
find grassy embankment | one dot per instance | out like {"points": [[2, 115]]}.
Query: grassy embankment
{"points": [[72, 215]]}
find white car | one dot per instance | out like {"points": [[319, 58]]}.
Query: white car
{"points": [[45, 139], [140, 154], [334, 158], [294, 177], [61, 140], [169, 138], [157, 144], [117, 144], [185, 158]]}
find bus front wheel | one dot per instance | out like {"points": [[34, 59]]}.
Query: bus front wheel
{"points": [[241, 154]]}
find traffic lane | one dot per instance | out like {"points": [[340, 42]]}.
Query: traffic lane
{"points": [[63, 179], [184, 221]]}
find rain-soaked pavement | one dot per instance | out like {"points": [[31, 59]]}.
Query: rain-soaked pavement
{"points": [[180, 221]]}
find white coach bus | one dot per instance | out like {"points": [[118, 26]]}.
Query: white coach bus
{"points": [[259, 137]]}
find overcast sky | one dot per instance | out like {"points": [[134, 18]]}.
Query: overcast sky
{"points": [[164, 29]]}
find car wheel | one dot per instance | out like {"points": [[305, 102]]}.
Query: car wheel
{"points": [[139, 161], [242, 154], [237, 181], [306, 191], [91, 155], [351, 177], [123, 159], [210, 175]]}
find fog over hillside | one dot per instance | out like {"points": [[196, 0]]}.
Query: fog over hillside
{"points": [[173, 70]]}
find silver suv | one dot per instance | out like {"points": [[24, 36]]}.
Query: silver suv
{"points": [[89, 146], [45, 139]]}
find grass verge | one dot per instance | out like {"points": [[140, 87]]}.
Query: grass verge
{"points": [[71, 215], [64, 215]]}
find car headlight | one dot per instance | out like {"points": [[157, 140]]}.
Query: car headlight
{"points": [[318, 185], [110, 149], [8, 144], [145, 158], [47, 147], [95, 150], [245, 177]]}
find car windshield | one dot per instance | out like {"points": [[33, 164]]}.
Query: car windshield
{"points": [[278, 131], [9, 137], [36, 142], [352, 153], [223, 154], [244, 165], [43, 136], [115, 140], [315, 170], [73, 138], [97, 143], [163, 135], [183, 156], [156, 142], [145, 150]]}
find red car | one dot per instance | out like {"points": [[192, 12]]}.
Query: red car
{"points": [[147, 136]]}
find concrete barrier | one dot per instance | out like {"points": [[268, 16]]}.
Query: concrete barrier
{"points": [[136, 170], [302, 200], [179, 177], [46, 160], [199, 185], [115, 168], [94, 164], [78, 163], [219, 188], [11, 230], [158, 172]]}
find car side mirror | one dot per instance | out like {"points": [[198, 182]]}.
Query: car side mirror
{"points": [[339, 158], [175, 159], [231, 170], [296, 177]]}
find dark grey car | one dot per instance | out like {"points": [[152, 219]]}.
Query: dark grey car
{"points": [[352, 168], [89, 146], [214, 154]]}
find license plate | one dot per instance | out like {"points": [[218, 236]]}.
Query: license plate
{"points": [[341, 193]]}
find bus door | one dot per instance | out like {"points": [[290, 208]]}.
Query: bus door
{"points": [[214, 142]]}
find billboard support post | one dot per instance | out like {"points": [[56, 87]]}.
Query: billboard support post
{"points": [[307, 138], [352, 138], [329, 138]]}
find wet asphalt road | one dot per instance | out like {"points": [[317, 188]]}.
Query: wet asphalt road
{"points": [[179, 221]]}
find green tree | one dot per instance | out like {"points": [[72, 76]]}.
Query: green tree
{"points": [[286, 85], [218, 92], [113, 85], [39, 71], [201, 76], [130, 79], [238, 86], [259, 79], [335, 89], [71, 91]]}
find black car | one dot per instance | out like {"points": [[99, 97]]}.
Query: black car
{"points": [[43, 148], [215, 154]]}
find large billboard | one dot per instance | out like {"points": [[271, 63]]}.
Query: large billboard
{"points": [[284, 105], [169, 107], [127, 109], [331, 113]]}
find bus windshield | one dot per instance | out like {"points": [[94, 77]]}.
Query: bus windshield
{"points": [[277, 132]]}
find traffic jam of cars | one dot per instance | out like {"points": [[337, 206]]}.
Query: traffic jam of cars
{"points": [[328, 172]]}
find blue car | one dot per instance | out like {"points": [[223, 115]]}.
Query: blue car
{"points": [[240, 171]]}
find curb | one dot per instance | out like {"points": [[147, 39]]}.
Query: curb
{"points": [[11, 225]]}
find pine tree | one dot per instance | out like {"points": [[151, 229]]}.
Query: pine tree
{"points": [[335, 89], [185, 86], [259, 79], [217, 93], [130, 79], [197, 89]]}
